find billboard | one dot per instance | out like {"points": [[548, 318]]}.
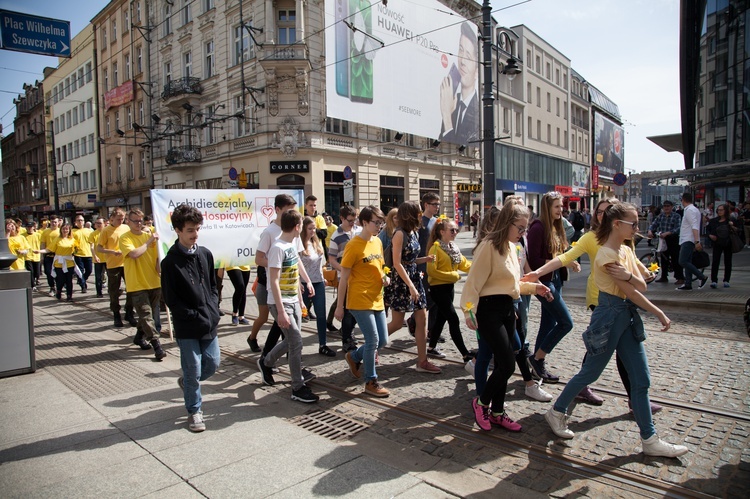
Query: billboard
{"points": [[411, 66], [608, 146]]}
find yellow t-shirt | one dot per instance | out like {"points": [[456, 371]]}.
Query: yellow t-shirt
{"points": [[34, 240], [331, 229], [624, 256], [110, 239], [49, 236], [365, 259], [140, 273], [22, 231], [15, 244], [94, 239], [84, 248], [64, 246], [243, 268], [589, 245]]}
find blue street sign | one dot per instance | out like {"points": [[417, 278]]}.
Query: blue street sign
{"points": [[34, 34], [619, 179], [347, 172]]}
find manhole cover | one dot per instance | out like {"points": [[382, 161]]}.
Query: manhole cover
{"points": [[332, 426]]}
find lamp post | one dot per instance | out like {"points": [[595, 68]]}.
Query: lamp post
{"points": [[75, 174]]}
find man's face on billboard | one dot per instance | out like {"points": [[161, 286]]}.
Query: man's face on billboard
{"points": [[467, 62]]}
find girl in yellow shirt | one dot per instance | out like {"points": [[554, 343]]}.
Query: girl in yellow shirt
{"points": [[64, 264], [442, 274], [17, 245]]}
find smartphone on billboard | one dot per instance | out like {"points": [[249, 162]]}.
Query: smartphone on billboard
{"points": [[343, 42], [361, 65], [455, 77]]}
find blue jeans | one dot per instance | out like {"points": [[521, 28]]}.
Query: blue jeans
{"points": [[556, 321], [319, 302], [199, 359], [686, 262], [85, 264], [375, 331], [619, 320]]}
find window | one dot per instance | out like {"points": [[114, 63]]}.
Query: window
{"points": [[83, 147], [54, 95], [67, 87], [74, 113], [335, 125], [141, 120], [114, 30], [208, 5], [73, 83], [126, 20], [138, 11], [558, 136], [82, 111], [90, 107], [528, 128], [68, 119], [548, 72], [81, 81], [89, 72], [549, 102], [70, 150], [107, 128], [117, 119], [210, 132], [115, 75], [59, 156], [519, 123], [76, 150], [240, 125], [557, 76], [565, 109], [118, 161], [565, 139], [167, 20], [506, 120], [131, 167], [105, 80], [91, 142], [104, 38], [142, 157], [538, 97], [167, 72], [573, 145], [538, 130], [57, 126], [287, 27], [528, 92], [242, 49], [187, 16], [92, 178], [109, 171], [138, 60], [549, 134], [126, 63], [64, 154], [85, 181], [187, 64], [129, 117], [208, 67], [558, 106], [538, 65]]}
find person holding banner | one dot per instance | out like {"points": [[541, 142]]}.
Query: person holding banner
{"points": [[188, 283]]}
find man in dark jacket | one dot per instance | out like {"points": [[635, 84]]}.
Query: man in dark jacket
{"points": [[188, 283]]}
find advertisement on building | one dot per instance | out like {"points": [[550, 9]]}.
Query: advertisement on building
{"points": [[609, 146], [580, 179], [408, 66], [233, 219]]}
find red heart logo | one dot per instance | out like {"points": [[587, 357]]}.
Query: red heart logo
{"points": [[267, 211]]}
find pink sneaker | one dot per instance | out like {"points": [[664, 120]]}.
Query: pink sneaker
{"points": [[481, 414], [427, 367], [504, 421]]}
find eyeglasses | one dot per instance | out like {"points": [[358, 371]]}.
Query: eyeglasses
{"points": [[521, 230], [137, 222], [378, 223], [350, 220], [633, 225], [434, 204], [599, 212]]}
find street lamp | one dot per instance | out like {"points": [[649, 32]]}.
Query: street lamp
{"points": [[75, 174]]}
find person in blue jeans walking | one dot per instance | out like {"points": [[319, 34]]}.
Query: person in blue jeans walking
{"points": [[546, 239], [312, 258], [188, 284], [363, 277], [616, 325], [690, 241]]}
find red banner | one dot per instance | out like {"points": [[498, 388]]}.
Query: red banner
{"points": [[119, 96], [594, 177], [564, 190]]}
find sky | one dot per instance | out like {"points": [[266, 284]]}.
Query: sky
{"points": [[627, 49]]}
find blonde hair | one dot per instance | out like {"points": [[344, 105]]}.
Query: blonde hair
{"points": [[437, 227], [390, 222], [616, 211]]}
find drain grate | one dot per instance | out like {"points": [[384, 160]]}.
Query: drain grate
{"points": [[329, 425]]}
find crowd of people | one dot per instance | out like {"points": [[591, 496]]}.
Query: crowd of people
{"points": [[404, 263]]}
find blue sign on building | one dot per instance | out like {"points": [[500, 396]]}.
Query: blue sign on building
{"points": [[34, 34], [518, 186]]}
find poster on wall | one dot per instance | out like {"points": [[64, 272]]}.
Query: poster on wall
{"points": [[406, 66], [609, 146], [233, 219], [580, 178]]}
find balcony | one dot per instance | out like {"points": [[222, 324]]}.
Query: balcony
{"points": [[183, 154], [182, 86], [284, 56]]}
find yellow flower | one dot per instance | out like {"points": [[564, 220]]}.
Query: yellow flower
{"points": [[574, 243], [468, 306], [443, 217], [653, 267], [437, 243], [386, 270]]}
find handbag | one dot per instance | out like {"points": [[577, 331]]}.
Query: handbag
{"points": [[701, 259], [331, 277], [736, 242]]}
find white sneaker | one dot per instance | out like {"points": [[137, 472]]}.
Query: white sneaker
{"points": [[196, 423], [435, 352], [536, 392], [469, 366], [655, 446], [559, 423]]}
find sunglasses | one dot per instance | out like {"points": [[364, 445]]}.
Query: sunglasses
{"points": [[633, 225]]}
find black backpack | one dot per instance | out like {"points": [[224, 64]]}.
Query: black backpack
{"points": [[578, 221]]}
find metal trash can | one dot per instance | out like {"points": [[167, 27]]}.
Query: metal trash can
{"points": [[17, 355]]}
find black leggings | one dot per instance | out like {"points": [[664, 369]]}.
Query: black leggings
{"points": [[240, 279], [496, 320], [442, 295]]}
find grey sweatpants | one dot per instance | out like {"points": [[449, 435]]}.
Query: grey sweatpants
{"points": [[292, 343]]}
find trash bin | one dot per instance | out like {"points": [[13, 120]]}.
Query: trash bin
{"points": [[17, 354]]}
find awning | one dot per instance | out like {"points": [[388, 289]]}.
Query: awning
{"points": [[670, 143], [701, 175]]}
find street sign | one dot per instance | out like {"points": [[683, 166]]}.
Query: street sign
{"points": [[34, 34], [348, 191], [347, 172], [619, 179]]}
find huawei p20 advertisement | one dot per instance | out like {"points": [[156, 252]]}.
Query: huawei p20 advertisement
{"points": [[407, 66]]}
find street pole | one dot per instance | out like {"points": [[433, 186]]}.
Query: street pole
{"points": [[488, 121]]}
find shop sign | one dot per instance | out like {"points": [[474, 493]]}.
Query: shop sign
{"points": [[594, 177], [463, 187], [517, 186], [290, 166], [564, 190]]}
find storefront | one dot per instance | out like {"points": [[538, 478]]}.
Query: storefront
{"points": [[530, 192]]}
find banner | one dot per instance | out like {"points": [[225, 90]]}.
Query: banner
{"points": [[410, 66], [609, 145], [233, 219]]}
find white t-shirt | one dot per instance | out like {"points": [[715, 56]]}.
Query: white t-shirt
{"points": [[691, 219], [271, 234], [283, 255]]}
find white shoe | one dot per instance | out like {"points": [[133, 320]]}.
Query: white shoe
{"points": [[470, 367], [536, 392], [655, 446], [559, 423], [196, 423]]}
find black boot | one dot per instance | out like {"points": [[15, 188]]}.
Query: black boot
{"points": [[158, 351], [131, 318], [118, 320], [138, 340]]}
